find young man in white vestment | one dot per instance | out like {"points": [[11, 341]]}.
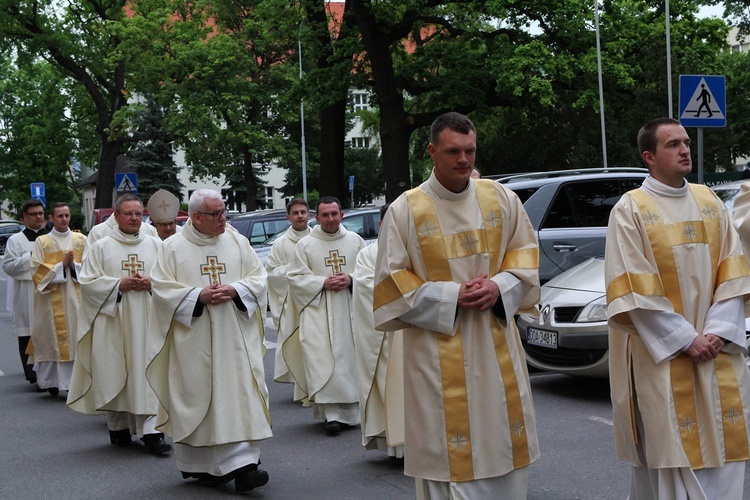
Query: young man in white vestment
{"points": [[210, 301], [115, 319], [320, 283], [373, 361], [55, 266], [17, 265], [457, 259], [288, 364], [676, 286]]}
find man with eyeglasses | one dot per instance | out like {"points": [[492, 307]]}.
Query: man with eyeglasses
{"points": [[210, 301], [115, 319], [17, 265], [163, 208], [104, 228]]}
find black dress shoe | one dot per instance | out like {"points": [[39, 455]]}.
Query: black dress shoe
{"points": [[120, 438], [155, 443], [204, 478], [250, 478], [333, 428], [54, 391]]}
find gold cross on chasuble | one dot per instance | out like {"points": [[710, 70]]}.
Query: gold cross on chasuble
{"points": [[213, 268], [132, 265], [335, 261]]}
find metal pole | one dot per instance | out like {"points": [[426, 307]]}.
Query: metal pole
{"points": [[601, 86], [669, 60], [302, 119], [700, 155]]}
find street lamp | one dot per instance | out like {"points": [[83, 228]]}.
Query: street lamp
{"points": [[601, 86], [302, 118]]}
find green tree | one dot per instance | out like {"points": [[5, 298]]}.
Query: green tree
{"points": [[77, 37], [34, 142]]}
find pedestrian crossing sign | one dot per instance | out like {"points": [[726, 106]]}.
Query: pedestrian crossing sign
{"points": [[126, 182], [703, 101]]}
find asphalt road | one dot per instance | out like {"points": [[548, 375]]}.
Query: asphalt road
{"points": [[47, 450]]}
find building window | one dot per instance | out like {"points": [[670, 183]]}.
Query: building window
{"points": [[360, 142], [269, 196], [359, 101]]}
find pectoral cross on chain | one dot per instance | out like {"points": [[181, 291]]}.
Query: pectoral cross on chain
{"points": [[335, 261], [213, 268], [132, 265]]}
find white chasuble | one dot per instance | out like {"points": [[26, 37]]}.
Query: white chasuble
{"points": [[288, 363], [673, 253], [372, 349], [325, 329], [109, 373], [208, 374], [55, 322], [467, 397]]}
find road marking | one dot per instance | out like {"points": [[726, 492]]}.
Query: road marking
{"points": [[602, 420]]}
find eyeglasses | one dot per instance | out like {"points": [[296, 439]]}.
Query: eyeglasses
{"points": [[132, 214], [215, 215], [35, 214]]}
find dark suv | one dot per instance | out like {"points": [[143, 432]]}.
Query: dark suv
{"points": [[7, 229], [570, 211]]}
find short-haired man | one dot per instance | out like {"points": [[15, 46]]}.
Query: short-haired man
{"points": [[103, 229], [210, 301], [320, 283], [163, 208], [457, 259], [17, 265], [114, 321], [288, 366], [380, 430], [676, 283], [55, 266]]}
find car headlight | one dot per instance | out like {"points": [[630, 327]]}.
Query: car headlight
{"points": [[594, 311]]}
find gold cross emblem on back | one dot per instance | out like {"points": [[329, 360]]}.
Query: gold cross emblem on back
{"points": [[213, 268], [335, 261], [132, 265]]}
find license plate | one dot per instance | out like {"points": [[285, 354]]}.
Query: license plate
{"points": [[542, 338]]}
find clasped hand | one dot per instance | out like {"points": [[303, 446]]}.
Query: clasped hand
{"points": [[479, 293], [705, 348], [135, 283], [338, 281], [217, 294]]}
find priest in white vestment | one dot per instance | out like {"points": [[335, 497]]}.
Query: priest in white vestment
{"points": [[163, 208], [210, 302], [115, 319], [17, 265], [372, 348], [457, 259], [676, 285], [288, 364], [103, 229], [55, 266], [320, 283]]}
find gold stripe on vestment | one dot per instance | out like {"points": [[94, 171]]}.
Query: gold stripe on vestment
{"points": [[394, 287], [731, 268], [436, 250], [647, 284], [51, 258], [523, 258], [732, 413], [682, 373]]}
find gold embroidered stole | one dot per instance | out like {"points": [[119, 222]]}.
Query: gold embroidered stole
{"points": [[52, 256], [437, 249], [662, 238]]}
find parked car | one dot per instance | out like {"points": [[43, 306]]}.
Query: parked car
{"points": [[571, 336], [363, 221], [7, 229], [570, 211]]}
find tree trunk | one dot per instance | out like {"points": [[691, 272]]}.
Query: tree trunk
{"points": [[332, 135], [105, 180], [251, 181]]}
